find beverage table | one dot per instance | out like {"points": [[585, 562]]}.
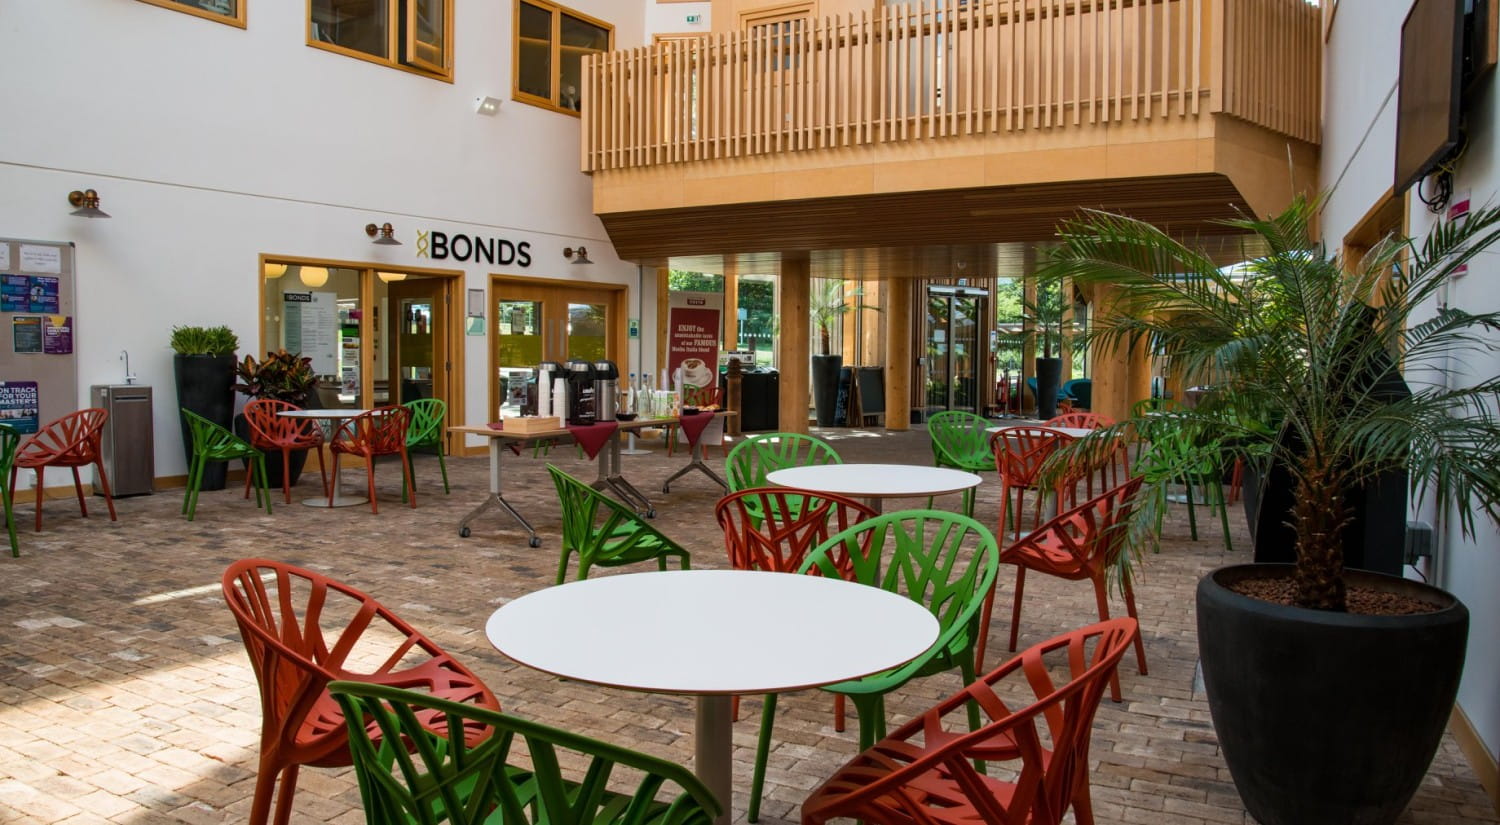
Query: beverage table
{"points": [[671, 632], [875, 482], [333, 417]]}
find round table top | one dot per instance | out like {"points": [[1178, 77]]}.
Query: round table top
{"points": [[710, 632], [1074, 432], [340, 412], [875, 480]]}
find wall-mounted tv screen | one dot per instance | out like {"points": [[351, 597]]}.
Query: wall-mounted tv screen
{"points": [[1427, 101]]}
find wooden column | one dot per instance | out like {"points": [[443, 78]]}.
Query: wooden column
{"points": [[1028, 325], [792, 311], [1122, 374], [731, 302], [898, 357], [1065, 342]]}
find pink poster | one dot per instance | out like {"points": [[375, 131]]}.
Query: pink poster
{"points": [[693, 324]]}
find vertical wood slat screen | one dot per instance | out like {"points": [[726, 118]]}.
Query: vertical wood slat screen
{"points": [[940, 68]]}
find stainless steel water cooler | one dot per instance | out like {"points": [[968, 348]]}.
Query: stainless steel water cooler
{"points": [[128, 450]]}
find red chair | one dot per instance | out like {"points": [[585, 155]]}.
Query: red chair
{"points": [[1082, 543], [381, 431], [71, 441], [290, 621], [269, 430], [924, 772], [774, 528], [699, 397], [1020, 453], [1119, 461]]}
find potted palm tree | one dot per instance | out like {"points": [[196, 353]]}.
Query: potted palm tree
{"points": [[203, 371], [1045, 319], [1329, 687], [827, 303]]}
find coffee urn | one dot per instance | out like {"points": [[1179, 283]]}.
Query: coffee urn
{"points": [[580, 375], [606, 390], [546, 373]]}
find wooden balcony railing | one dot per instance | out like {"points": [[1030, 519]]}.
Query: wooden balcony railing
{"points": [[953, 67]]}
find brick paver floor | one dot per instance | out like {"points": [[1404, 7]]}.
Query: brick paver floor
{"points": [[126, 695]]}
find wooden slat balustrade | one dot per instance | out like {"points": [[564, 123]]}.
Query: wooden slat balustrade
{"points": [[945, 68]]}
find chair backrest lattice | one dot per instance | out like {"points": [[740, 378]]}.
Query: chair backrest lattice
{"points": [[520, 770], [774, 528], [1020, 452], [72, 440], [211, 440], [427, 416], [1082, 541], [696, 396], [757, 456], [1080, 421], [268, 428], [380, 431], [959, 440]]}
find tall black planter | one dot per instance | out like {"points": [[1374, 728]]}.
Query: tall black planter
{"points": [[1048, 381], [1327, 717], [825, 386], [205, 385]]}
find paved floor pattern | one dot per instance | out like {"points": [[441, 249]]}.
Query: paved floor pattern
{"points": [[126, 695]]}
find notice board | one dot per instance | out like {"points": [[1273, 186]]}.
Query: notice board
{"points": [[38, 369]]}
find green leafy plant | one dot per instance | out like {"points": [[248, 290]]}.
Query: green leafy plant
{"points": [[283, 376], [1308, 340], [827, 303], [204, 341]]}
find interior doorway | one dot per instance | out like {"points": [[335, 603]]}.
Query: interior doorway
{"points": [[537, 320], [953, 356], [418, 366]]}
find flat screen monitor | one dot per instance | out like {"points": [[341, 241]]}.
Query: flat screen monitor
{"points": [[1427, 102]]}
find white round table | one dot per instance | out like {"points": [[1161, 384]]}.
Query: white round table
{"points": [[1071, 432], [338, 414], [682, 631], [875, 482]]}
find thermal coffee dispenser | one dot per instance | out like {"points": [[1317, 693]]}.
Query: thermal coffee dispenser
{"points": [[606, 386], [548, 404], [580, 402]]}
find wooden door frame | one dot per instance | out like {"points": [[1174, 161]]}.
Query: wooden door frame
{"points": [[442, 348], [541, 289]]}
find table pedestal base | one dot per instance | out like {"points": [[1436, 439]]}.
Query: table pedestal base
{"points": [[713, 746], [339, 500]]}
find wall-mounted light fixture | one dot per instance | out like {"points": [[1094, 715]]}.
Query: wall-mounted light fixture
{"points": [[577, 256], [87, 202], [382, 234], [274, 271], [391, 277], [313, 276], [487, 106]]}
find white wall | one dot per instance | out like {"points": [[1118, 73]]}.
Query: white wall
{"points": [[1358, 166], [211, 144], [671, 18]]}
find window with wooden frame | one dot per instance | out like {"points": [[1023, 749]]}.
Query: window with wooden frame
{"points": [[785, 25], [224, 11], [551, 42], [413, 35]]}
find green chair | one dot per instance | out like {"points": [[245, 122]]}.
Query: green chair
{"points": [[426, 430], [1187, 455], [501, 768], [9, 441], [604, 532], [959, 441], [214, 443], [945, 561], [757, 456]]}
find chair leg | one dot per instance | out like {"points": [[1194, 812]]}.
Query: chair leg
{"points": [[443, 465], [39, 472], [265, 791], [370, 483], [1187, 485], [1223, 515], [322, 471], [1140, 644], [10, 523], [83, 506], [1015, 611], [1101, 595], [286, 473], [250, 478], [984, 628], [189, 501], [839, 706], [762, 753], [265, 484], [734, 708], [109, 499], [284, 795], [408, 478]]}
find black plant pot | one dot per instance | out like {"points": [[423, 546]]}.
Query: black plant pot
{"points": [[825, 387], [1327, 717], [205, 385], [273, 458], [1048, 381]]}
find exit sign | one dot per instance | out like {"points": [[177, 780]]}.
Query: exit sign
{"points": [[694, 18]]}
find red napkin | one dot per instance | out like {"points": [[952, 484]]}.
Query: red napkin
{"points": [[693, 427], [592, 438]]}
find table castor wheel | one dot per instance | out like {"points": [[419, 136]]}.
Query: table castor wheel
{"points": [[535, 541], [463, 532]]}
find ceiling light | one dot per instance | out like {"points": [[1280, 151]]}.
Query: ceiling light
{"points": [[274, 271], [390, 277], [313, 276]]}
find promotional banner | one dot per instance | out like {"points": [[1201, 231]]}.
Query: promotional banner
{"points": [[693, 336]]}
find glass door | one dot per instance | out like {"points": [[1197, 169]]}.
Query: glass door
{"points": [[418, 361], [953, 353], [549, 322]]}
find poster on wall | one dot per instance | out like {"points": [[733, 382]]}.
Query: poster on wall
{"points": [[42, 295], [15, 293], [57, 334], [693, 335], [26, 333], [310, 325], [20, 405], [38, 258]]}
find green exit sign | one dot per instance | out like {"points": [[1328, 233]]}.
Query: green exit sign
{"points": [[694, 18]]}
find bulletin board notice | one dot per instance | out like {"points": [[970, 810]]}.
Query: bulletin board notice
{"points": [[38, 370]]}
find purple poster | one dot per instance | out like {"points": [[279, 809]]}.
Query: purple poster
{"points": [[19, 406], [57, 334], [43, 295]]}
